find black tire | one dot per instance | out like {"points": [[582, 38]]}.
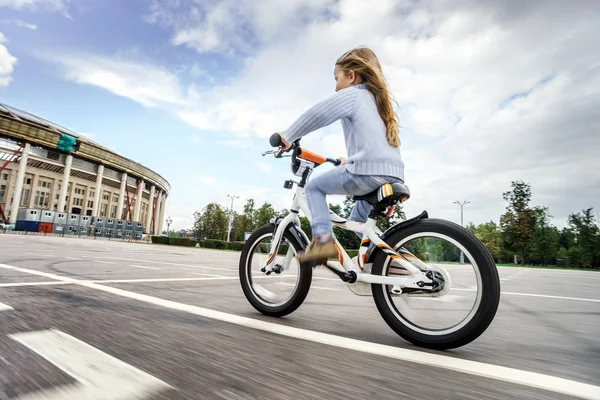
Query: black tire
{"points": [[302, 288], [490, 287]]}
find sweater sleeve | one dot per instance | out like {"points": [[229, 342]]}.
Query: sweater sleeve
{"points": [[341, 105]]}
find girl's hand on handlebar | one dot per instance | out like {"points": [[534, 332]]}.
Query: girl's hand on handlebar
{"points": [[285, 144], [342, 160]]}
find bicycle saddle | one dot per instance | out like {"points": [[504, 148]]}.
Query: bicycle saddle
{"points": [[388, 194]]}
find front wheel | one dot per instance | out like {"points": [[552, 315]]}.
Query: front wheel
{"points": [[284, 290], [461, 311]]}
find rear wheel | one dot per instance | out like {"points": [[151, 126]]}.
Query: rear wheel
{"points": [[279, 293], [464, 305]]}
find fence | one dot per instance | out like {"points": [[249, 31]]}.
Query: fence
{"points": [[70, 235]]}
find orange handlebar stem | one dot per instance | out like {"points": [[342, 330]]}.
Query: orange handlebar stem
{"points": [[310, 156]]}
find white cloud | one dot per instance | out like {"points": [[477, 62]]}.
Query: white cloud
{"points": [[147, 84], [39, 5], [489, 92], [27, 25], [7, 63]]}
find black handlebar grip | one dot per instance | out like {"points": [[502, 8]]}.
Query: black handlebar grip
{"points": [[275, 140]]}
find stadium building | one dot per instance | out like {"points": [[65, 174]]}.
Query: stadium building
{"points": [[44, 166]]}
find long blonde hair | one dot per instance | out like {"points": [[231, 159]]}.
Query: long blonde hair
{"points": [[365, 64]]}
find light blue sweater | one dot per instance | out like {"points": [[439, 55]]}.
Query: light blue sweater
{"points": [[364, 131]]}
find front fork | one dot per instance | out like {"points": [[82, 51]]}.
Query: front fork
{"points": [[280, 227]]}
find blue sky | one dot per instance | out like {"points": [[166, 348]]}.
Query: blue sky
{"points": [[193, 89]]}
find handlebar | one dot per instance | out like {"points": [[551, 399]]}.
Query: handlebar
{"points": [[276, 141]]}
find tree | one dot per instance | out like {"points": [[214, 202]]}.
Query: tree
{"points": [[211, 223], [348, 239], [518, 221], [489, 234], [305, 226], [264, 214], [587, 239], [544, 246], [471, 227], [397, 216], [244, 222]]}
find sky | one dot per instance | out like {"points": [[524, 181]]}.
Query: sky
{"points": [[488, 92]]}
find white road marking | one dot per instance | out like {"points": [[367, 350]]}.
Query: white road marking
{"points": [[141, 266], [73, 258], [105, 262], [161, 280], [218, 276], [536, 295], [99, 375], [508, 278], [19, 284], [142, 280], [311, 286], [5, 307], [169, 263], [513, 375], [552, 297]]}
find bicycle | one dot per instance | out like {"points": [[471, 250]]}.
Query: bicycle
{"points": [[387, 267]]}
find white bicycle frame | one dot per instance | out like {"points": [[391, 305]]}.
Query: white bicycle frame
{"points": [[370, 232]]}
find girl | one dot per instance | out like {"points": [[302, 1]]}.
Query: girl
{"points": [[362, 102]]}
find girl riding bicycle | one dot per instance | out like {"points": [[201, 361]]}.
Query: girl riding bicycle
{"points": [[363, 104]]}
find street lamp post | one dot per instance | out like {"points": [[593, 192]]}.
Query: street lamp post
{"points": [[461, 204], [169, 222], [231, 215]]}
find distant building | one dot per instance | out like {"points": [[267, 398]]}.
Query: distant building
{"points": [[88, 179]]}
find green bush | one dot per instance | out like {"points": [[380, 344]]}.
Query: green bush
{"points": [[237, 246], [160, 239], [215, 244], [179, 241]]}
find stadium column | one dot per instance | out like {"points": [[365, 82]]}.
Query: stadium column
{"points": [[98, 192], [122, 195], [33, 188], [149, 216], [162, 211], [65, 184], [14, 208], [157, 230], [138, 202]]}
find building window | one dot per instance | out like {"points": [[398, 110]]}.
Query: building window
{"points": [[113, 211], [103, 210], [28, 181], [3, 177], [2, 193], [90, 204], [25, 197]]}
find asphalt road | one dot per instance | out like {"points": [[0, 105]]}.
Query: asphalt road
{"points": [[124, 320]]}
